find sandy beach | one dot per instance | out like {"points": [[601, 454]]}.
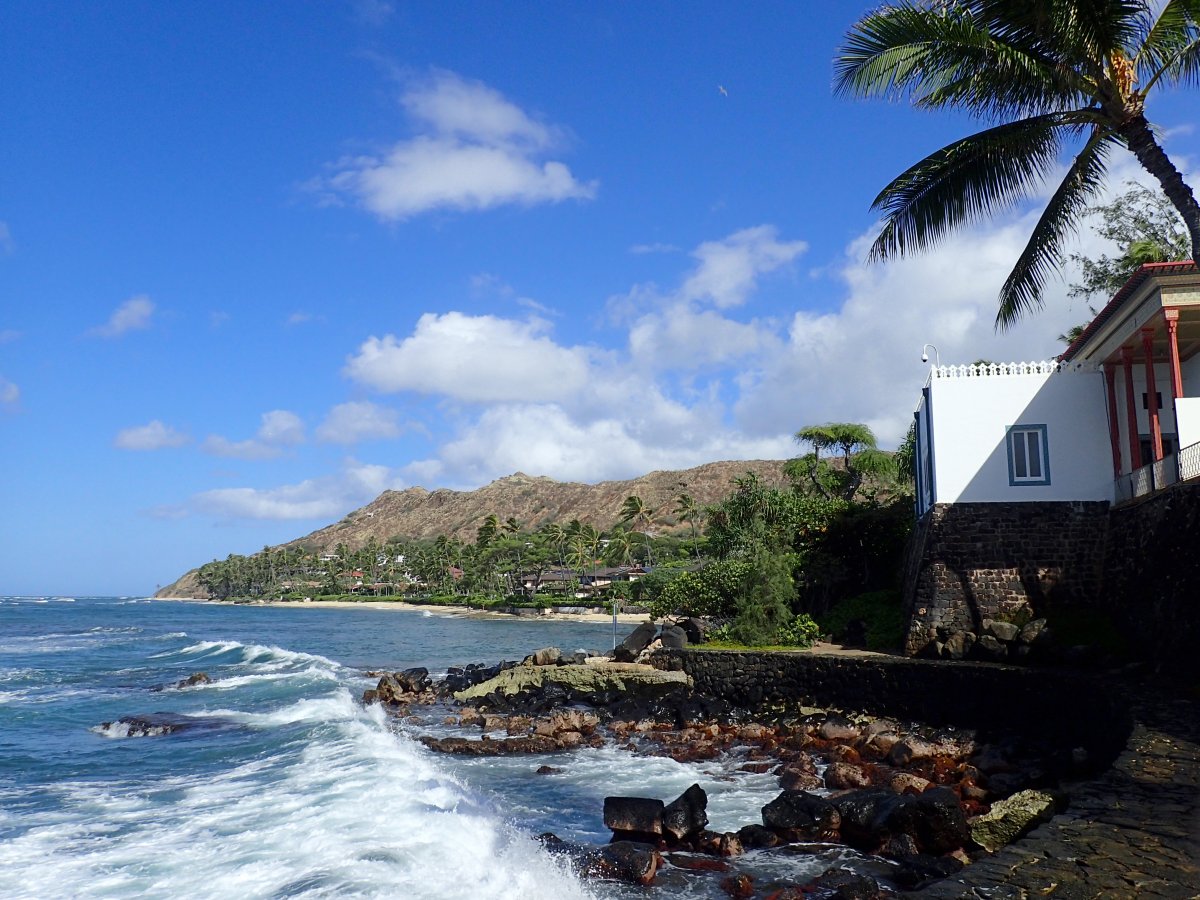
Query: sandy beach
{"points": [[450, 612]]}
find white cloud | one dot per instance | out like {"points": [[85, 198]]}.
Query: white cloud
{"points": [[131, 315], [154, 435], [279, 429], [349, 423], [477, 150], [326, 498], [730, 268], [9, 392], [478, 359]]}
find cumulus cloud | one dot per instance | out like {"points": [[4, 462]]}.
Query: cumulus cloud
{"points": [[729, 269], [325, 498], [154, 435], [474, 150], [477, 359], [9, 392], [349, 423], [132, 315], [278, 430]]}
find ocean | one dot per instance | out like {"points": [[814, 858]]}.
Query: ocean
{"points": [[284, 785]]}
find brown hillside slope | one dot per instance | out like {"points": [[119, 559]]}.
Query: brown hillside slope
{"points": [[416, 513], [534, 501]]}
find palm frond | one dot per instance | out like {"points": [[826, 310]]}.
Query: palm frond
{"points": [[953, 58], [968, 180], [1022, 289], [1167, 41]]}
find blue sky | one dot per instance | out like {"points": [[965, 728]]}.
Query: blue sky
{"points": [[261, 262]]}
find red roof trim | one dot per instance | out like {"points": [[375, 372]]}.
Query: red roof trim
{"points": [[1135, 281]]}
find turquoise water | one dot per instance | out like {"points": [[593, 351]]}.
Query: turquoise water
{"points": [[283, 785]]}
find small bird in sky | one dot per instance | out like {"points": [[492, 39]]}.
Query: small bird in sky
{"points": [[721, 88]]}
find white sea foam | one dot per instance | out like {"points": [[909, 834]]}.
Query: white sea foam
{"points": [[357, 812], [261, 655]]}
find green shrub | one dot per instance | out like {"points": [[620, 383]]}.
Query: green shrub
{"points": [[880, 611], [802, 631]]}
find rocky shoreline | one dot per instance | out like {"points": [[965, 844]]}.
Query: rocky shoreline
{"points": [[915, 803]]}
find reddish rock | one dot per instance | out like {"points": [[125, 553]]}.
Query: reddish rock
{"points": [[740, 887], [624, 861], [697, 863], [838, 728], [840, 776], [908, 783]]}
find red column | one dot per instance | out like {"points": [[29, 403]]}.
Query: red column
{"points": [[1171, 316], [1152, 395], [1114, 428], [1131, 425]]}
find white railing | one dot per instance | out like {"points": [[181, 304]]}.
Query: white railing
{"points": [[984, 370], [1189, 462], [1159, 474]]}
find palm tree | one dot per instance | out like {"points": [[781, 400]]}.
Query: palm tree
{"points": [[688, 511], [1045, 75], [635, 511]]}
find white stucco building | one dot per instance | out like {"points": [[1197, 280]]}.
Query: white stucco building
{"points": [[1115, 417]]}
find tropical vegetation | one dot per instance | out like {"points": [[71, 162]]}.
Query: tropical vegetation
{"points": [[1048, 79], [764, 564]]}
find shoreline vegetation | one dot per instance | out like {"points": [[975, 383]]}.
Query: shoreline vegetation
{"points": [[449, 612]]}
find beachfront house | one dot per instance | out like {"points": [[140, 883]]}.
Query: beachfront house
{"points": [[1072, 483], [1116, 417]]}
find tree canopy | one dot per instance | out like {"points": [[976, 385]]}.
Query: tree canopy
{"points": [[1048, 77]]}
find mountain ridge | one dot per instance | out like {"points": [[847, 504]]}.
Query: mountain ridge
{"points": [[417, 513]]}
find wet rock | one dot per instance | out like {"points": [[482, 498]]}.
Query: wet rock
{"points": [[839, 884], [637, 641], [152, 725], [740, 887], [756, 837], [899, 846], [634, 815], [548, 770], [1011, 818], [935, 819], [625, 861], [193, 680], [697, 863], [686, 815], [413, 681], [504, 747], [916, 872], [911, 749], [864, 815], [800, 816]]}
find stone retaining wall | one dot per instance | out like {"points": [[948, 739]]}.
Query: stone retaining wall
{"points": [[1138, 565], [984, 561], [1067, 709], [1152, 574]]}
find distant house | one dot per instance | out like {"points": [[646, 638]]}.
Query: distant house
{"points": [[1115, 417]]}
